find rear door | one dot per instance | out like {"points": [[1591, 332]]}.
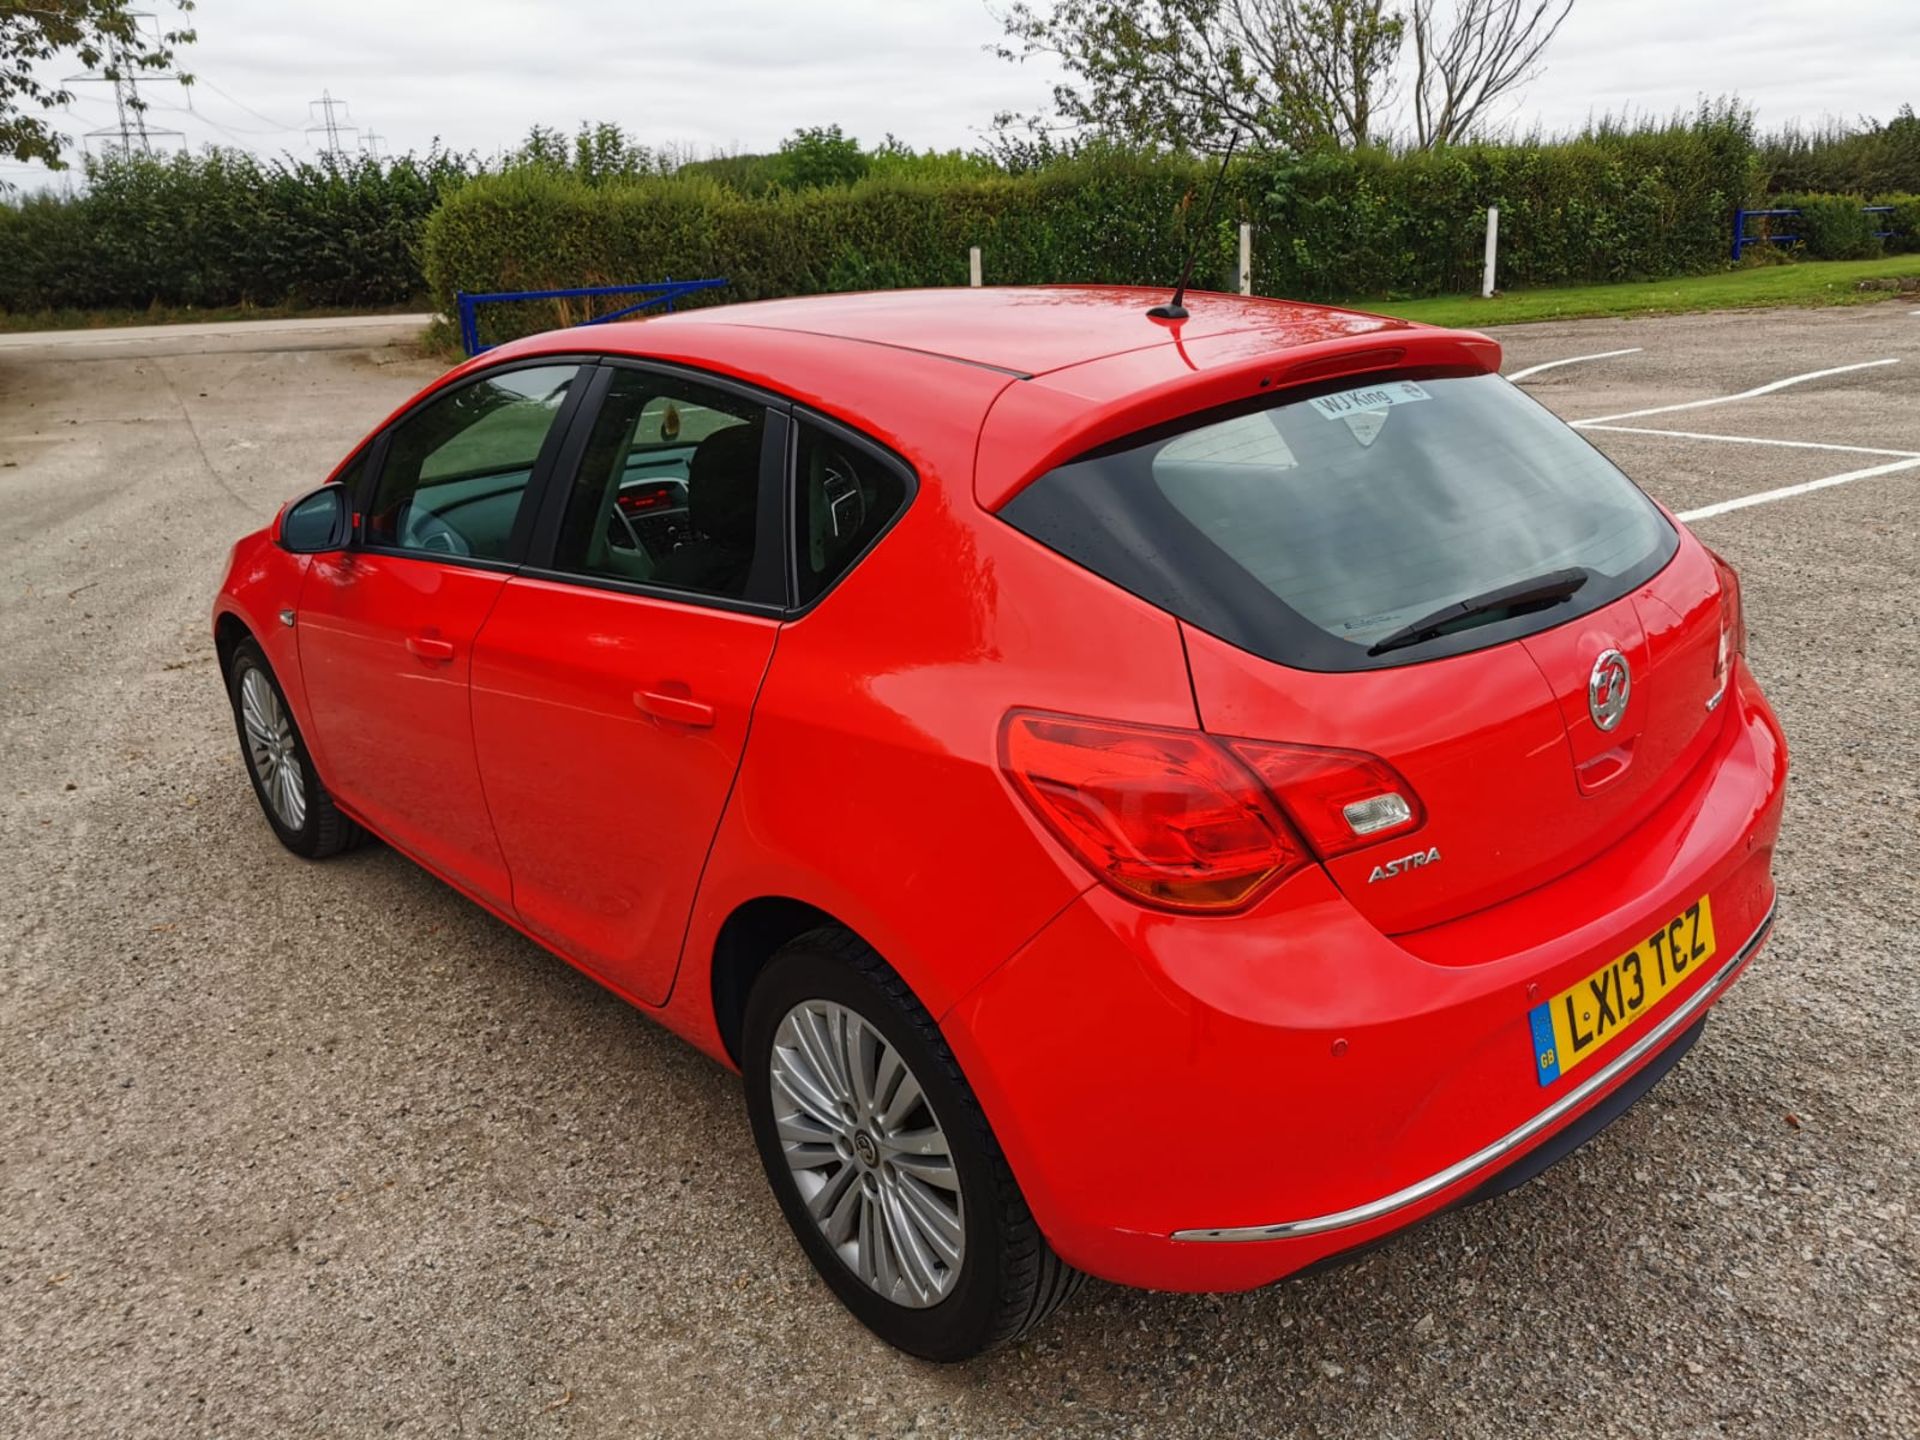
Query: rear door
{"points": [[615, 677], [1339, 556], [386, 627]]}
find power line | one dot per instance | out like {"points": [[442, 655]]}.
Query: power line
{"points": [[238, 132], [373, 145], [283, 129], [239, 137]]}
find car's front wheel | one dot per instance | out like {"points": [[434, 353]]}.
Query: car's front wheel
{"points": [[296, 804], [882, 1159]]}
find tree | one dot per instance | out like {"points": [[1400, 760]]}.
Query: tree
{"points": [[819, 156], [1337, 60], [107, 39], [596, 154], [1484, 50], [1192, 73], [1295, 74]]}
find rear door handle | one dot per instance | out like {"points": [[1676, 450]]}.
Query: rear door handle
{"points": [[429, 648], [681, 709]]}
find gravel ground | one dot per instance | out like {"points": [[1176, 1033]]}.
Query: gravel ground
{"points": [[302, 1149]]}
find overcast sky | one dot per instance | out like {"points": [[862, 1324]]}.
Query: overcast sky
{"points": [[740, 74]]}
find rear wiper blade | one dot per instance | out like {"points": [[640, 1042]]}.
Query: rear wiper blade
{"points": [[1534, 594]]}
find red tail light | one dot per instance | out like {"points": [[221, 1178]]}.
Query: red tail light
{"points": [[1733, 627], [1340, 799], [1185, 821]]}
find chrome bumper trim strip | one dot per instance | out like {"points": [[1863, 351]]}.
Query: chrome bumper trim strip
{"points": [[1513, 1139]]}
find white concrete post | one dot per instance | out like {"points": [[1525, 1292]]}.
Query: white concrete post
{"points": [[1246, 259], [973, 267], [1493, 245]]}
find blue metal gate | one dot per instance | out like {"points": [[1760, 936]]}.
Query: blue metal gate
{"points": [[663, 292]]}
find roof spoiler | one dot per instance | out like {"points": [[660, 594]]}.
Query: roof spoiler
{"points": [[1038, 424]]}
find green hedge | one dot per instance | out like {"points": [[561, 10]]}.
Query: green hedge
{"points": [[1325, 227], [223, 228], [1874, 157]]}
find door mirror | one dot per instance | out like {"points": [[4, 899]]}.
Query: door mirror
{"points": [[316, 523]]}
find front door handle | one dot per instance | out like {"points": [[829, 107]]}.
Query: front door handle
{"points": [[681, 709], [427, 647]]}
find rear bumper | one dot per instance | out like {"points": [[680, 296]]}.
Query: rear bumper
{"points": [[1213, 1104], [1684, 1019]]}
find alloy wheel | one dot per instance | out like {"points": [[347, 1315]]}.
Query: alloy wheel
{"points": [[272, 750], [868, 1155]]}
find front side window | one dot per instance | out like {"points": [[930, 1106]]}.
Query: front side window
{"points": [[1355, 526], [668, 491], [456, 470]]}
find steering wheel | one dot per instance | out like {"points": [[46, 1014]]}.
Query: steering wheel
{"points": [[425, 530], [633, 535]]}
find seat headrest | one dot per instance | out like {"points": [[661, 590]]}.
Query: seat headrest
{"points": [[723, 486]]}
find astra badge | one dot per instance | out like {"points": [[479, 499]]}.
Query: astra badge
{"points": [[1405, 863], [1608, 688]]}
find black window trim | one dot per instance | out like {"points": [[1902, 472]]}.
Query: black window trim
{"points": [[804, 414], [586, 366], [536, 528]]}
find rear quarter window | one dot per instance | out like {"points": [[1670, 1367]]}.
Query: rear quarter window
{"points": [[848, 495]]}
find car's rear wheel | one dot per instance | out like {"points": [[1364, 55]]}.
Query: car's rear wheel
{"points": [[882, 1159], [296, 804]]}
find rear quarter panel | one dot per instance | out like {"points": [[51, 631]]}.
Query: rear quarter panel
{"points": [[871, 786]]}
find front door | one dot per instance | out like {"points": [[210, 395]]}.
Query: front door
{"points": [[386, 628], [613, 687]]}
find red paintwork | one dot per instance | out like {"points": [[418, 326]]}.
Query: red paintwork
{"points": [[1148, 1072], [617, 775], [603, 798], [386, 646]]}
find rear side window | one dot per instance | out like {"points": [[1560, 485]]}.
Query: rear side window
{"points": [[457, 469], [1310, 529], [848, 495]]}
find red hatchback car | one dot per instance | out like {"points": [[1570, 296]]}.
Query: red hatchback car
{"points": [[1170, 800]]}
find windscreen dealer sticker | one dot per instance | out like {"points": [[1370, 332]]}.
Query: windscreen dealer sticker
{"points": [[1343, 403]]}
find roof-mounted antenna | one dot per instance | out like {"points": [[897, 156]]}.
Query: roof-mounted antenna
{"points": [[1174, 309]]}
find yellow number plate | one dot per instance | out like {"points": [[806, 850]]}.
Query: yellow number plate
{"points": [[1585, 1019]]}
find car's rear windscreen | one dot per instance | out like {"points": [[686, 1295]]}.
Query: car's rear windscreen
{"points": [[1310, 527]]}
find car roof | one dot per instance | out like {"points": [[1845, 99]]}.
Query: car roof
{"points": [[1019, 379], [1034, 330]]}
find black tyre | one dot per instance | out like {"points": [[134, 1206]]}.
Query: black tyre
{"points": [[294, 801], [882, 1159]]}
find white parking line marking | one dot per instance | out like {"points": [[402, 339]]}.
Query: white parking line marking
{"points": [[1788, 491], [1757, 390], [1752, 440], [1520, 375]]}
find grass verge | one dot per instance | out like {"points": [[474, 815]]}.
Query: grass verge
{"points": [[1808, 282]]}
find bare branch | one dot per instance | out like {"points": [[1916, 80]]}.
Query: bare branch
{"points": [[1466, 62]]}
